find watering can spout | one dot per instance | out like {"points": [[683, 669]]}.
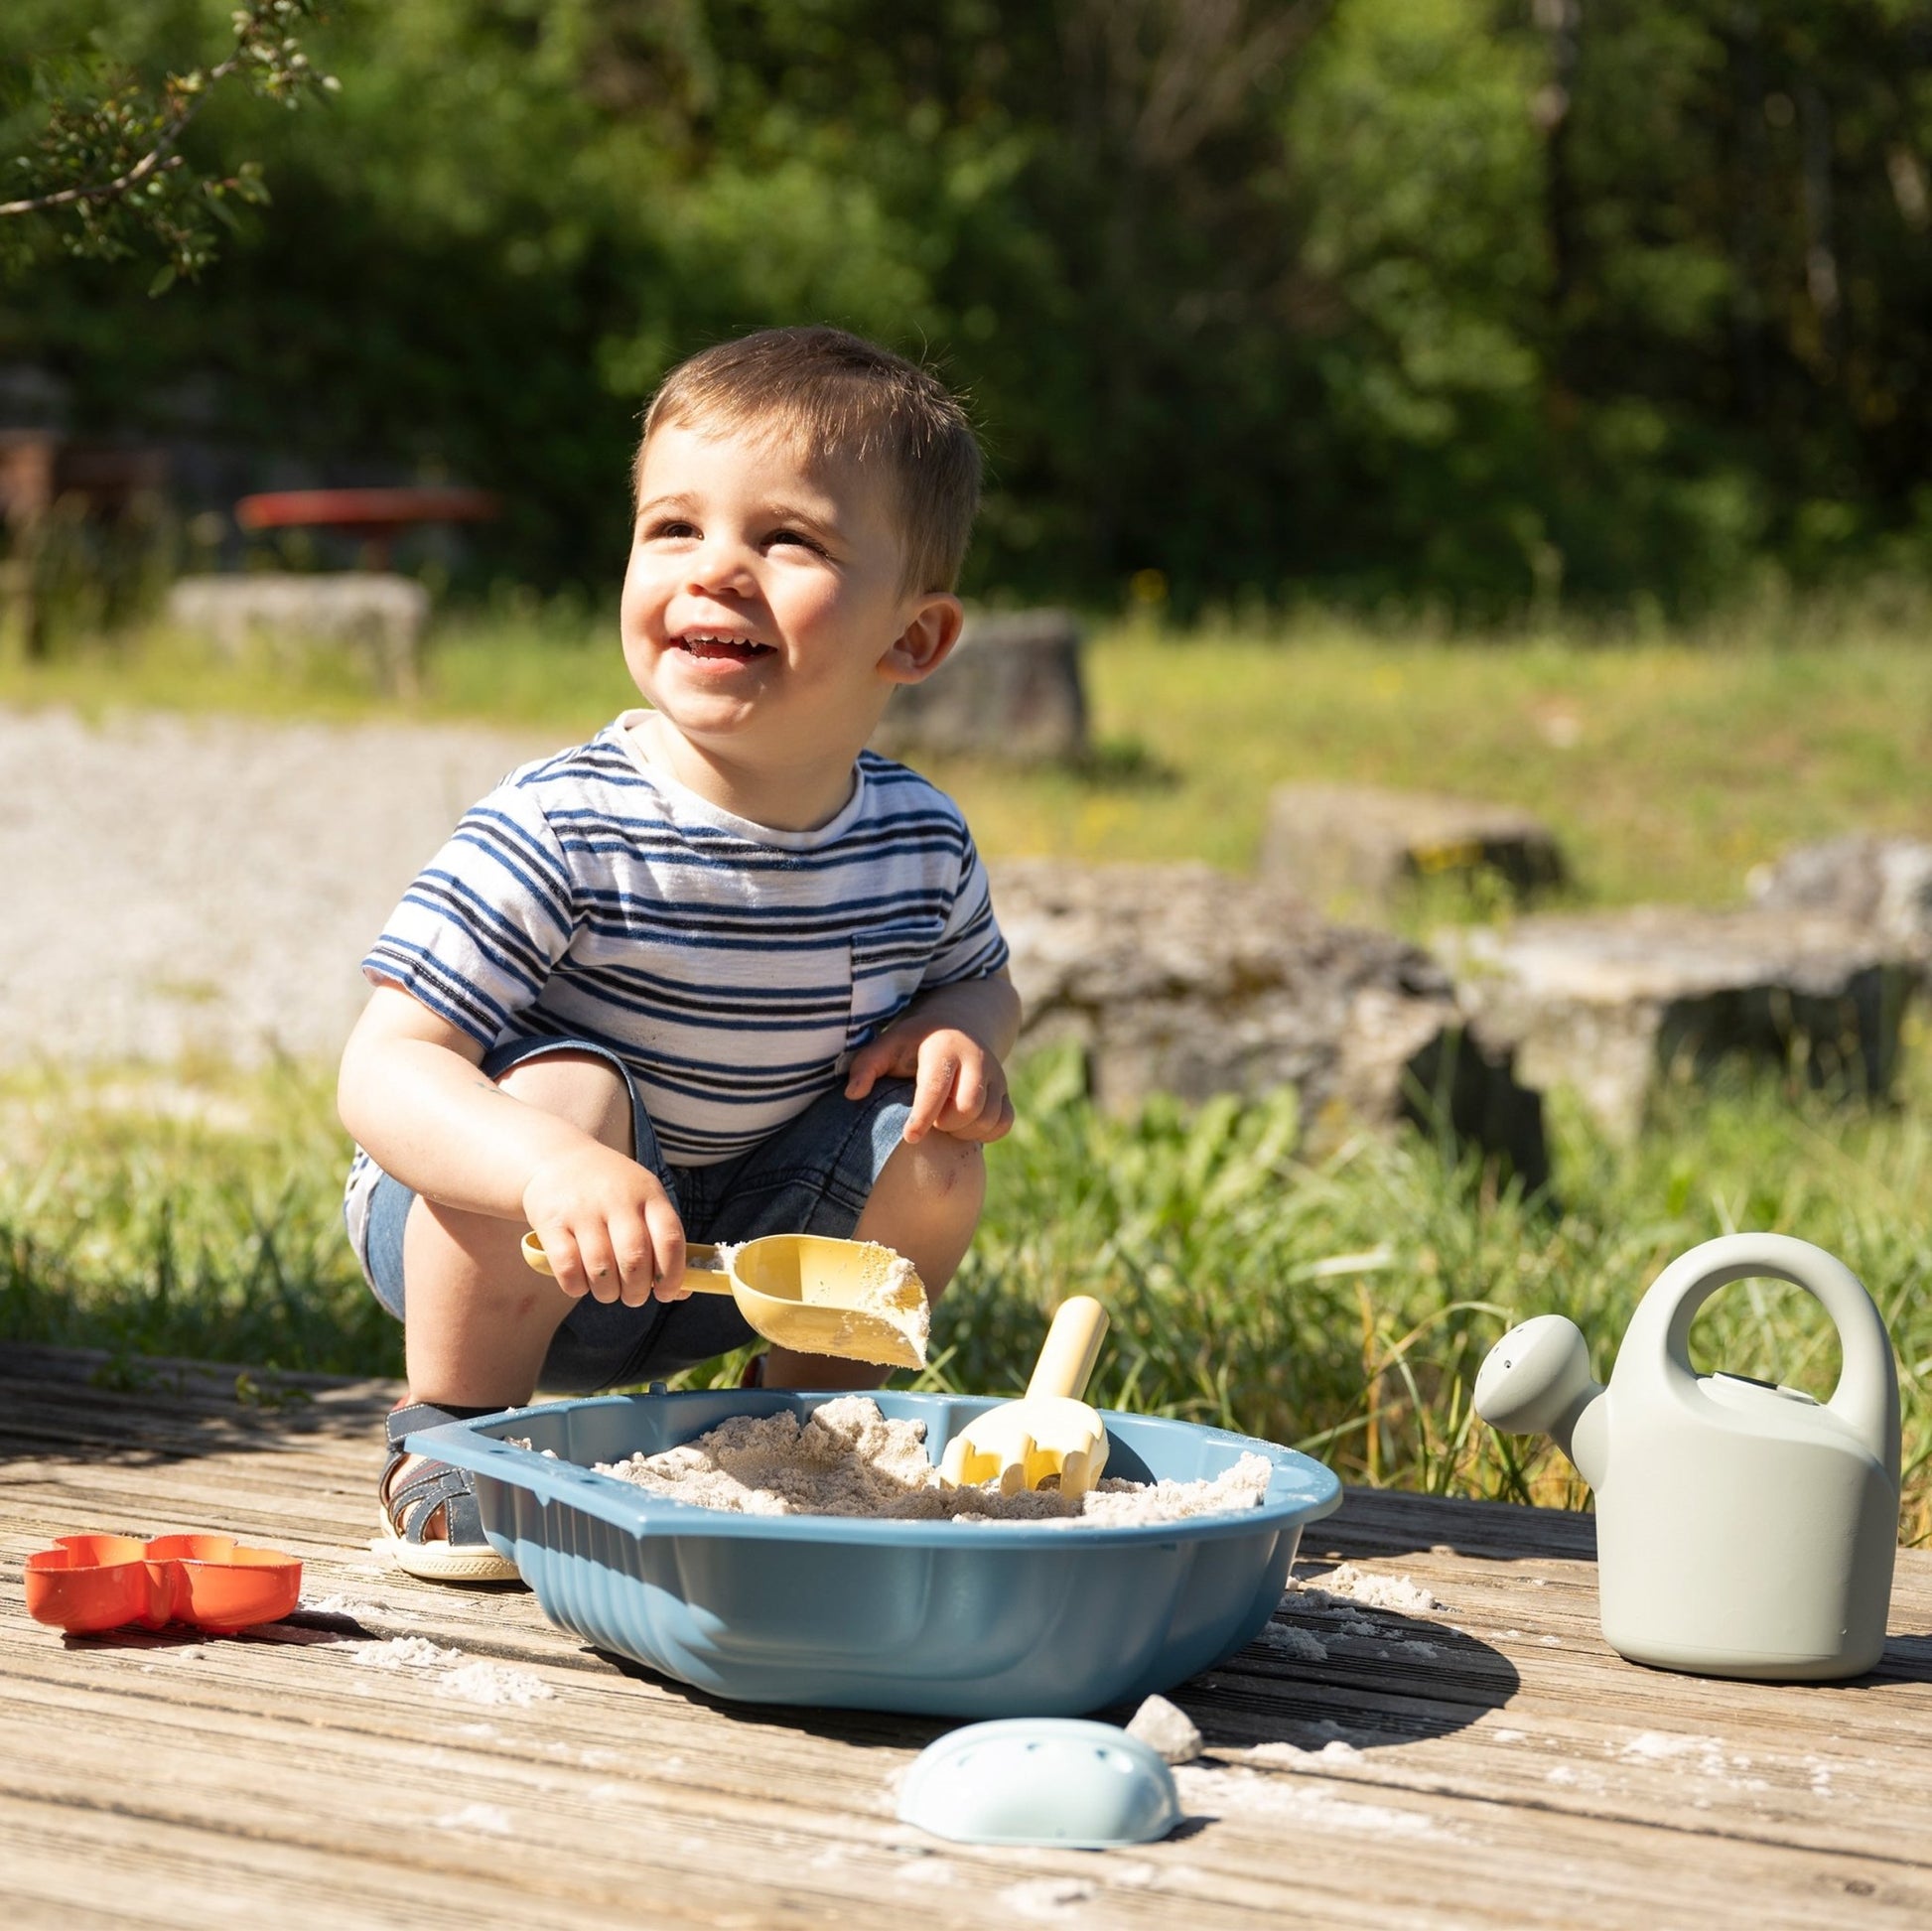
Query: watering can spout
{"points": [[1537, 1380]]}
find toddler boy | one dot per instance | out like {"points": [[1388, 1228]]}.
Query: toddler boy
{"points": [[720, 971]]}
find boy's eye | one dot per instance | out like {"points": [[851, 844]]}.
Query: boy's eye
{"points": [[795, 538], [670, 527]]}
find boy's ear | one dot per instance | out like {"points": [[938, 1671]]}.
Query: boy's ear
{"points": [[926, 641]]}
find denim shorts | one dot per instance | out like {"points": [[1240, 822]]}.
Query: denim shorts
{"points": [[813, 1176]]}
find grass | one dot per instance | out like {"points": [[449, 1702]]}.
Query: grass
{"points": [[1343, 1305], [192, 1214], [1666, 769]]}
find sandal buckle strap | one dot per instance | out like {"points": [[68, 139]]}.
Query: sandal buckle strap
{"points": [[415, 1415]]}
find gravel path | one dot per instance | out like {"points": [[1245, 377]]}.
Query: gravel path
{"points": [[177, 888]]}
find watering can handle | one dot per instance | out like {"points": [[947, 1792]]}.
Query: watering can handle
{"points": [[1866, 1399]]}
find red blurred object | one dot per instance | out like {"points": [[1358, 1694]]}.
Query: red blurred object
{"points": [[378, 516], [87, 1583]]}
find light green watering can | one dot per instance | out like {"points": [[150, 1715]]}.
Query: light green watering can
{"points": [[1743, 1529]]}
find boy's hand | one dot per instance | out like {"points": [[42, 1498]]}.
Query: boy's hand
{"points": [[608, 1227], [959, 1087]]}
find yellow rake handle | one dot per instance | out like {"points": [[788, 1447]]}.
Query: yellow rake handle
{"points": [[1071, 1348]]}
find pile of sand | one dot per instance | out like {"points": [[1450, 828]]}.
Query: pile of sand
{"points": [[876, 1286], [847, 1459]]}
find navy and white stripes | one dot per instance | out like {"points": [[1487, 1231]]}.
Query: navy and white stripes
{"points": [[732, 967]]}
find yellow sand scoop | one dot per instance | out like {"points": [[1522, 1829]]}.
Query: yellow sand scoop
{"points": [[1049, 1431], [812, 1294]]}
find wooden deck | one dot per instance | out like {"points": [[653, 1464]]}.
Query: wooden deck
{"points": [[402, 1755]]}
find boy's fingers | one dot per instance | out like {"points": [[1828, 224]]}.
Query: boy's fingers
{"points": [[631, 1245], [969, 1090], [994, 1119], [871, 1063], [984, 1126], [977, 1097], [566, 1269], [600, 1265], [667, 1245], [930, 1093]]}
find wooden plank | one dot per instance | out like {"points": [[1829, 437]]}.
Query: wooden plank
{"points": [[1487, 1761]]}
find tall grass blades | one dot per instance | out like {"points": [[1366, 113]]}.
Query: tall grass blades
{"points": [[188, 1218], [1343, 1305]]}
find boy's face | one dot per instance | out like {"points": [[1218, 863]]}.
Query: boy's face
{"points": [[763, 614]]}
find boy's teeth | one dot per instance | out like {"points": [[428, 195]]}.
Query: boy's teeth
{"points": [[722, 647]]}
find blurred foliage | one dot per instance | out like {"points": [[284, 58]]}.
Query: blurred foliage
{"points": [[1483, 305]]}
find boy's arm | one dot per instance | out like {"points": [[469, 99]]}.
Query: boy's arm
{"points": [[412, 1097], [951, 1043]]}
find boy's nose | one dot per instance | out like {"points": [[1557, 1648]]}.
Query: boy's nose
{"points": [[719, 564]]}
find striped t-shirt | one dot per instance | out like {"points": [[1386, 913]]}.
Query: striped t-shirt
{"points": [[733, 968]]}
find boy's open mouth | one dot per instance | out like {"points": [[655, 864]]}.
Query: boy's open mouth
{"points": [[738, 650]]}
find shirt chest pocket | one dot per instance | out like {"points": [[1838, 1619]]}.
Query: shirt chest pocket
{"points": [[887, 964]]}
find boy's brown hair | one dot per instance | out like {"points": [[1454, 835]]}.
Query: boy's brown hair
{"points": [[843, 396]]}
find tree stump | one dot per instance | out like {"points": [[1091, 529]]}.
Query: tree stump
{"points": [[1010, 690]]}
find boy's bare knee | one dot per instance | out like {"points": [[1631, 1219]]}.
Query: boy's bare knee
{"points": [[926, 1203], [579, 1087], [944, 1172]]}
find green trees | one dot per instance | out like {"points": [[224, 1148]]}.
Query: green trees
{"points": [[1479, 302], [108, 172]]}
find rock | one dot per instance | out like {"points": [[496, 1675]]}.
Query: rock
{"points": [[1010, 690], [1181, 979], [1611, 1002], [1167, 1729], [377, 619], [1356, 845], [1882, 884]]}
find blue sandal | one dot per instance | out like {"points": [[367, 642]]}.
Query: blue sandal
{"points": [[431, 1493]]}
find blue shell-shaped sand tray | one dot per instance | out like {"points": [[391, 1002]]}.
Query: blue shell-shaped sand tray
{"points": [[981, 1620]]}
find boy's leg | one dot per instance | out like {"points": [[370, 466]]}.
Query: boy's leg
{"points": [[477, 1321], [924, 1206]]}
